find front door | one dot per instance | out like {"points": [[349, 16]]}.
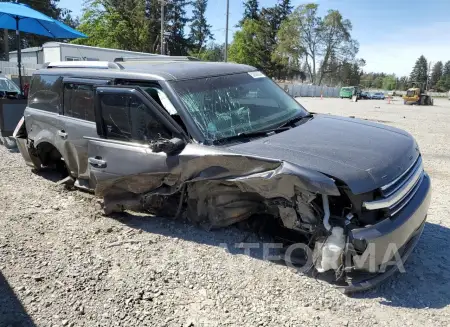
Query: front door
{"points": [[127, 122]]}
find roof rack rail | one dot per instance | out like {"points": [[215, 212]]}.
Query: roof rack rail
{"points": [[157, 58], [82, 64]]}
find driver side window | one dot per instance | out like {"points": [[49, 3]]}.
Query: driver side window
{"points": [[125, 117]]}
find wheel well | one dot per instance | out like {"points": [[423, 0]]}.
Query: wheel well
{"points": [[48, 153]]}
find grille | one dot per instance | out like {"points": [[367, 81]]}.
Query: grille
{"points": [[395, 195]]}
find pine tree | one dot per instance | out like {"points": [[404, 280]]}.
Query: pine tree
{"points": [[284, 9], [200, 29], [176, 20], [251, 11], [446, 70], [436, 73], [419, 74], [153, 14]]}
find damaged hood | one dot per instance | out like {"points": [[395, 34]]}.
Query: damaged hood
{"points": [[361, 154]]}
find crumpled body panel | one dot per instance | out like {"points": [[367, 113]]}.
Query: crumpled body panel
{"points": [[217, 186]]}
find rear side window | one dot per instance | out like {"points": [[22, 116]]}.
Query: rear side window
{"points": [[79, 101], [45, 92], [126, 117]]}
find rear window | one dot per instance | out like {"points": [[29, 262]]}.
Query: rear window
{"points": [[45, 92], [79, 101]]}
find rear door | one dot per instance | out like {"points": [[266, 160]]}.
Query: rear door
{"points": [[127, 121], [78, 121]]}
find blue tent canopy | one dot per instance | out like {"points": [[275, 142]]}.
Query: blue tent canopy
{"points": [[22, 18]]}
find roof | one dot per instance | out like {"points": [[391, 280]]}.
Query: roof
{"points": [[158, 70], [79, 46], [186, 70], [32, 49]]}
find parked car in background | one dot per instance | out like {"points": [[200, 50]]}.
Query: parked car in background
{"points": [[11, 110], [8, 89], [349, 91], [378, 96], [365, 95]]}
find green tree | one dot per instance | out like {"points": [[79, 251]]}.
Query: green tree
{"points": [[436, 73], [288, 50], [402, 83], [336, 40], [378, 82], [443, 85], [153, 16], [249, 45], [176, 20], [446, 69], [251, 11], [115, 24], [284, 9], [271, 19], [419, 74], [212, 52], [389, 83], [323, 40], [200, 29]]}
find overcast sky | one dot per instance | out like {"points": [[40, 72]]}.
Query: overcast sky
{"points": [[392, 33]]}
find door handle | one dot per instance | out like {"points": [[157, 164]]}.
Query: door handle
{"points": [[97, 162], [63, 134]]}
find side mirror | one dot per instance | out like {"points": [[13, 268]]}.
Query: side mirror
{"points": [[171, 146]]}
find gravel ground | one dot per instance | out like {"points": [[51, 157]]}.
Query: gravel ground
{"points": [[63, 264]]}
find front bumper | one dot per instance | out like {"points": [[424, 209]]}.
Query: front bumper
{"points": [[388, 242]]}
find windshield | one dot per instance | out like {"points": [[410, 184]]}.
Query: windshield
{"points": [[227, 106], [410, 93], [8, 86], [347, 89]]}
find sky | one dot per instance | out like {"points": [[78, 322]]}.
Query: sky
{"points": [[392, 33]]}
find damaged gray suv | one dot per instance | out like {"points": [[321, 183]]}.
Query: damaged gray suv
{"points": [[221, 143]]}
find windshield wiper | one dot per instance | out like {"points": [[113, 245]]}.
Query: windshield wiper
{"points": [[245, 135], [295, 119], [284, 127]]}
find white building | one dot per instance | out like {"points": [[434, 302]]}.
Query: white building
{"points": [[56, 51]]}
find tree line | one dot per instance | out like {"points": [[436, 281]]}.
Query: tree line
{"points": [[287, 42], [423, 75], [135, 25], [436, 78], [283, 41]]}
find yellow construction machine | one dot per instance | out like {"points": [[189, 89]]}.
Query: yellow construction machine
{"points": [[417, 95]]}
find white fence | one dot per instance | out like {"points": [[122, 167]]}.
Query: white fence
{"points": [[303, 90], [10, 68]]}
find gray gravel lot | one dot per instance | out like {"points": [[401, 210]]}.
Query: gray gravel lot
{"points": [[63, 264]]}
